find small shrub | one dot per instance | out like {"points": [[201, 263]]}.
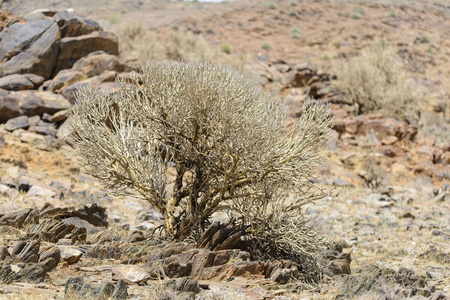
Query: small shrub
{"points": [[357, 13], [392, 14], [293, 3], [295, 33], [292, 13], [272, 5], [383, 42], [326, 57], [266, 46], [175, 27], [424, 39], [431, 50], [377, 81], [226, 48]]}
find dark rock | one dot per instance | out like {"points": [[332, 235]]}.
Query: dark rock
{"points": [[32, 47], [121, 290], [339, 266], [9, 107], [52, 230], [106, 290], [45, 130], [281, 276], [30, 252], [50, 252], [24, 184], [74, 48], [32, 103], [34, 273], [135, 236], [74, 25], [4, 254], [186, 284], [20, 218], [73, 286], [17, 82], [18, 37], [7, 275], [92, 213], [60, 116], [18, 248], [17, 123]]}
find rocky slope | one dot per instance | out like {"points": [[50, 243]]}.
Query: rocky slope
{"points": [[389, 230]]}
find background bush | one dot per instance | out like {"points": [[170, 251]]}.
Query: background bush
{"points": [[377, 81]]}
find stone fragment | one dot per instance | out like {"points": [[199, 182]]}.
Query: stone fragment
{"points": [[70, 255], [17, 123], [74, 25], [130, 273], [185, 284], [4, 254], [121, 290], [32, 103], [16, 82], [30, 252]]}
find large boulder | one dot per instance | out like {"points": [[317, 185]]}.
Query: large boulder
{"points": [[46, 42], [74, 48], [30, 47]]}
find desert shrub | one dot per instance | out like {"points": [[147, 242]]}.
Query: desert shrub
{"points": [[137, 42], [266, 46], [226, 48], [227, 140], [376, 81], [295, 33]]}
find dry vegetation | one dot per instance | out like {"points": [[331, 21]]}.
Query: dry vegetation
{"points": [[143, 44], [227, 140], [376, 81]]}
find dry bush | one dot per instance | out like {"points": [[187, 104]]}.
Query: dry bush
{"points": [[377, 81], [137, 42], [227, 140]]}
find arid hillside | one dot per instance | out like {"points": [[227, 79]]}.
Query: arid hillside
{"points": [[382, 66]]}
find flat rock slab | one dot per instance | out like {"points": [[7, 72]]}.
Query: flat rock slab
{"points": [[17, 82]]}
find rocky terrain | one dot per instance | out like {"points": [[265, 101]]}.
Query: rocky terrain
{"points": [[62, 235]]}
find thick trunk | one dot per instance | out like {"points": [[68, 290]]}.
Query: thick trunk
{"points": [[169, 218]]}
